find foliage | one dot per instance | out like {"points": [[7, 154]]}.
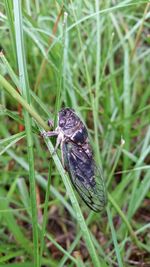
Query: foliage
{"points": [[92, 56]]}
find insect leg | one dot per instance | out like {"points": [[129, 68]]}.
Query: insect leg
{"points": [[50, 123], [58, 141], [62, 156], [49, 133]]}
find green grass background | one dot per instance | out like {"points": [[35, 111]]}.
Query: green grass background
{"points": [[92, 56]]}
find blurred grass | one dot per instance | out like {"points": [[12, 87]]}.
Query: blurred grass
{"points": [[97, 62]]}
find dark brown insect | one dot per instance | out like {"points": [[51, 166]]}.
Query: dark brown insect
{"points": [[78, 160]]}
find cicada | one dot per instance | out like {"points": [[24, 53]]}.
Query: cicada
{"points": [[77, 159]]}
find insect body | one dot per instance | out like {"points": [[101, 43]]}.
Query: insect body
{"points": [[78, 159]]}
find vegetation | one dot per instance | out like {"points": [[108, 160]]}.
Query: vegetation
{"points": [[92, 56]]}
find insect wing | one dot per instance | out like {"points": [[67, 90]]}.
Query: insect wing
{"points": [[85, 176]]}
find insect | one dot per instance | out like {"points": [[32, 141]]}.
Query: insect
{"points": [[77, 159]]}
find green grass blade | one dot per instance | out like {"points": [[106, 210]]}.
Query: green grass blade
{"points": [[113, 232], [45, 214], [24, 84], [12, 224]]}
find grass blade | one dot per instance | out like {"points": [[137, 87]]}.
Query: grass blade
{"points": [[24, 84]]}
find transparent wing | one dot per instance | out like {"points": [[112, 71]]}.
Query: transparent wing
{"points": [[85, 176]]}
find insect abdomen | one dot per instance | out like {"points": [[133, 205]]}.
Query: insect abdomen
{"points": [[83, 174]]}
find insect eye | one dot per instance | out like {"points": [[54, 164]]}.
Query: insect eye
{"points": [[62, 122]]}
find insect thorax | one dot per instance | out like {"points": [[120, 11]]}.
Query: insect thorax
{"points": [[80, 135], [72, 127]]}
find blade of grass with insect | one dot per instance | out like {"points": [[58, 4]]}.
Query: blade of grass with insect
{"points": [[42, 181], [79, 216]]}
